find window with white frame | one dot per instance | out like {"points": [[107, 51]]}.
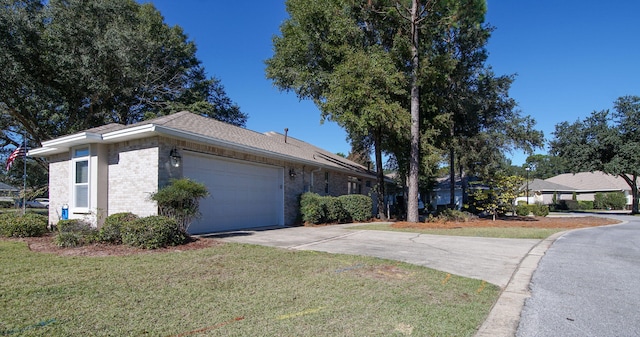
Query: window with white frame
{"points": [[80, 178]]}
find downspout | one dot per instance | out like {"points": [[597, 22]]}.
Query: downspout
{"points": [[312, 171]]}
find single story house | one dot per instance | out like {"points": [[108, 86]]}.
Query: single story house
{"points": [[584, 184], [8, 193], [8, 190], [254, 179]]}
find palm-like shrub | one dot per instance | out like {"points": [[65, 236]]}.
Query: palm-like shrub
{"points": [[180, 200]]}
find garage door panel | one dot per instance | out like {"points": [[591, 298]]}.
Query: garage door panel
{"points": [[242, 195]]}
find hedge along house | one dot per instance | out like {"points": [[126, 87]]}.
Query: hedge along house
{"points": [[254, 179]]}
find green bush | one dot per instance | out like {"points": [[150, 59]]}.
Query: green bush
{"points": [[20, 226], [180, 200], [522, 209], [333, 210], [7, 204], [110, 230], [74, 233], [153, 232], [311, 208], [617, 200], [316, 209], [357, 206], [585, 204], [539, 209], [613, 200]]}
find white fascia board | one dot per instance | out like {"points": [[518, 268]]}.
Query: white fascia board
{"points": [[129, 133], [63, 144], [71, 140]]}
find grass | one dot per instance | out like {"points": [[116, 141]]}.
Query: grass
{"points": [[487, 232], [233, 290]]}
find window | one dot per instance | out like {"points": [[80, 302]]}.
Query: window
{"points": [[354, 185], [81, 178]]}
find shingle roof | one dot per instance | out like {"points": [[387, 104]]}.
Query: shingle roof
{"points": [[544, 185], [590, 181], [269, 142], [5, 187]]}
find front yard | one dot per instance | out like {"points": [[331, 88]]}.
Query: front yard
{"points": [[231, 290]]}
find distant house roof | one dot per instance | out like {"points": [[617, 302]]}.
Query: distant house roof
{"points": [[544, 185], [590, 181], [197, 128], [5, 187]]}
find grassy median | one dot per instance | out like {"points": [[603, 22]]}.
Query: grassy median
{"points": [[232, 290]]}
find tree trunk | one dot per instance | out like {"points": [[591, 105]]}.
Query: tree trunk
{"points": [[414, 161], [452, 178], [377, 149], [633, 183]]}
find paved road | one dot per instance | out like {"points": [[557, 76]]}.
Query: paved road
{"points": [[587, 284], [489, 259]]}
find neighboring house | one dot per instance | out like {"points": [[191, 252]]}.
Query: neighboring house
{"points": [[585, 185], [8, 193], [440, 196], [255, 179], [8, 190]]}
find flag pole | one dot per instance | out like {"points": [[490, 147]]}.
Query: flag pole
{"points": [[24, 174]]}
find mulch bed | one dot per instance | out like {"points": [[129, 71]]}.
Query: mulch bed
{"points": [[46, 244], [531, 222]]}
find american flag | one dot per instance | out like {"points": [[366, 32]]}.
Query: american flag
{"points": [[18, 152]]}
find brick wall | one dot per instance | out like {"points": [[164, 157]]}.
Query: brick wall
{"points": [[133, 176], [59, 185]]}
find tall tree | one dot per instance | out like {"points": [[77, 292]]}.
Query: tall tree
{"points": [[605, 141], [68, 65], [545, 166], [343, 55], [482, 119]]}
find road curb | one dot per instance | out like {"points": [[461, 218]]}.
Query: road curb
{"points": [[504, 316]]}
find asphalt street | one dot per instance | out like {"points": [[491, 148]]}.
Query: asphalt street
{"points": [[587, 284]]}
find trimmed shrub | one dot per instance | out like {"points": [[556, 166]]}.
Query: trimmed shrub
{"points": [[615, 200], [522, 209], [358, 207], [539, 209], [75, 233], [311, 208], [110, 230], [153, 232], [585, 204], [180, 200], [316, 209], [333, 210], [21, 226]]}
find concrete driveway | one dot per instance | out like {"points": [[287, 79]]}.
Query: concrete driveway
{"points": [[489, 259]]}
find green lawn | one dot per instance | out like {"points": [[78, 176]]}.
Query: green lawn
{"points": [[233, 290], [487, 232]]}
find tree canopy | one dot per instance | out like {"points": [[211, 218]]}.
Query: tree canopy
{"points": [[68, 65], [605, 141], [405, 78]]}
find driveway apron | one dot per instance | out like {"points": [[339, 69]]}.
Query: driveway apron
{"points": [[490, 259]]}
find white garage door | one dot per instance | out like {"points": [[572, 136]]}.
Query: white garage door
{"points": [[242, 194]]}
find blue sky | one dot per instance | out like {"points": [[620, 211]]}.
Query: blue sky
{"points": [[571, 57]]}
